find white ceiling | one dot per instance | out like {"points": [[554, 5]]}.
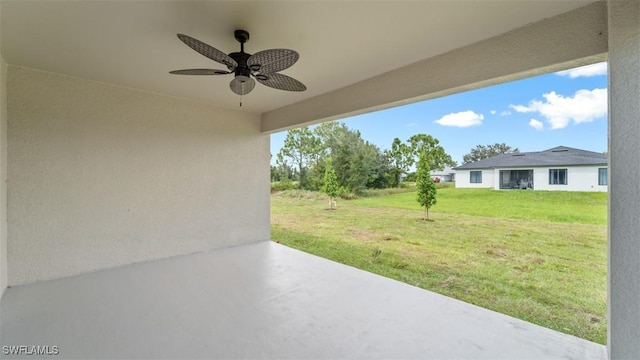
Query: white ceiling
{"points": [[134, 43]]}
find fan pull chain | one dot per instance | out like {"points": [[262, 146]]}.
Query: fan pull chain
{"points": [[240, 100]]}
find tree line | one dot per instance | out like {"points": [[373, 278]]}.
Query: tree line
{"points": [[357, 163], [484, 151]]}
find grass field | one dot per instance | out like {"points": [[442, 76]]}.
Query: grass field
{"points": [[537, 256]]}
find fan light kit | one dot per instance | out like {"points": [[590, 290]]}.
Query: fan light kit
{"points": [[263, 65]]}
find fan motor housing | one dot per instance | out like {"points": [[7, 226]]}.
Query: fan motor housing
{"points": [[242, 70]]}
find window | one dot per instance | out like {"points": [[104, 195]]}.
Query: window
{"points": [[602, 176], [557, 176], [475, 177]]}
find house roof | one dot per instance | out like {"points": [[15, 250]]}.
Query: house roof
{"points": [[557, 156], [446, 171]]}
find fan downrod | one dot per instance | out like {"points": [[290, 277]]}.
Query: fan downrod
{"points": [[241, 35]]}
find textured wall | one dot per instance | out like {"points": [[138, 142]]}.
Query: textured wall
{"points": [[3, 176], [624, 176], [579, 178], [101, 176], [463, 179]]}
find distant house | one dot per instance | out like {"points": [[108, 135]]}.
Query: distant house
{"points": [[560, 168], [446, 175]]}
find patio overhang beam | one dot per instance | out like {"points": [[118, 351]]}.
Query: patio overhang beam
{"points": [[572, 39]]}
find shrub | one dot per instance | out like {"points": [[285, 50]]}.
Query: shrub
{"points": [[303, 194], [443, 185], [385, 192], [345, 194], [283, 185]]}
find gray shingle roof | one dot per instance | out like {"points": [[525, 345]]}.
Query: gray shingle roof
{"points": [[557, 156]]}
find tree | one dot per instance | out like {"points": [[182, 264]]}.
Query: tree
{"points": [[283, 169], [300, 145], [330, 182], [424, 185], [358, 164], [401, 158], [485, 151], [436, 157], [382, 176]]}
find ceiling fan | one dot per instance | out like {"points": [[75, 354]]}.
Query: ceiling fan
{"points": [[263, 65]]}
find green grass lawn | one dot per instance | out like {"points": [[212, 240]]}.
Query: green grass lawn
{"points": [[538, 256]]}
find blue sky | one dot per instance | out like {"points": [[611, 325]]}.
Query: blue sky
{"points": [[567, 108]]}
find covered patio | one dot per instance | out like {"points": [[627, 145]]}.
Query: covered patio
{"points": [[516, 179], [265, 301], [134, 205]]}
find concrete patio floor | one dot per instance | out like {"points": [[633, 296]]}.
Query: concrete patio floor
{"points": [[264, 300]]}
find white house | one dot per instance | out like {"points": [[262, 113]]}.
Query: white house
{"points": [[560, 168], [445, 175]]}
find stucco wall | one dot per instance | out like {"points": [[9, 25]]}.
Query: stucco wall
{"points": [[579, 178], [101, 176], [3, 175], [463, 179], [624, 172]]}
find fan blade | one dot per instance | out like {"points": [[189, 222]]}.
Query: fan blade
{"points": [[281, 82], [242, 88], [209, 51], [199, 72], [273, 60]]}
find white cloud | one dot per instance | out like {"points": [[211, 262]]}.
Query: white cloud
{"points": [[585, 71], [493, 112], [520, 108], [538, 125], [461, 119], [505, 113], [584, 106]]}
